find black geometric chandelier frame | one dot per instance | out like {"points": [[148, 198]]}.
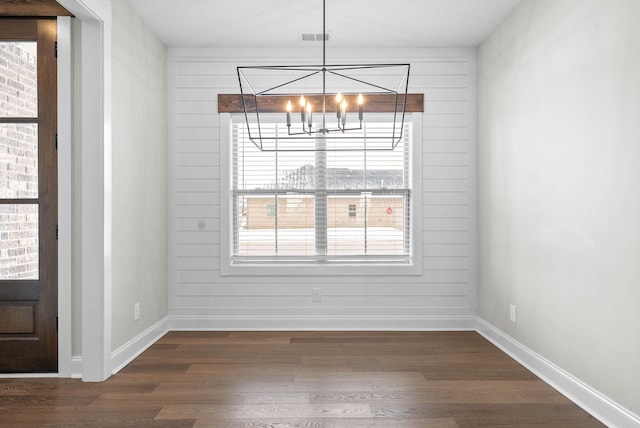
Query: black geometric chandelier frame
{"points": [[323, 107]]}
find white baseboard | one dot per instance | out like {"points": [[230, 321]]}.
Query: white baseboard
{"points": [[592, 401], [76, 367], [321, 323], [28, 375], [136, 346]]}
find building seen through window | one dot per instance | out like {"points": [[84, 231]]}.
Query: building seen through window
{"points": [[329, 205]]}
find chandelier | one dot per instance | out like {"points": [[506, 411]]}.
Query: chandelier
{"points": [[324, 107]]}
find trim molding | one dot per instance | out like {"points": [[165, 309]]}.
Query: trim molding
{"points": [[95, 52], [136, 346], [28, 375], [455, 323], [65, 195], [76, 367], [592, 401]]}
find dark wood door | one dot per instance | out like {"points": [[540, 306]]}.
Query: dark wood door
{"points": [[28, 196]]}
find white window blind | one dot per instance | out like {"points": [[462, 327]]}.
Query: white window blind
{"points": [[320, 206]]}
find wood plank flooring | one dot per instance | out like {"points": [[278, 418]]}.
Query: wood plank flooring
{"points": [[301, 379]]}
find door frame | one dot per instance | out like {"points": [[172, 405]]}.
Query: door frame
{"points": [[94, 363], [65, 195], [65, 200]]}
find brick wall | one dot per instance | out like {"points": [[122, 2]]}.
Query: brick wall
{"points": [[18, 85], [18, 161], [381, 212]]}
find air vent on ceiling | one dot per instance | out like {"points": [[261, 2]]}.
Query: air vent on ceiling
{"points": [[314, 37]]}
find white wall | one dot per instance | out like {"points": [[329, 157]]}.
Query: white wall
{"points": [[442, 296], [559, 206], [139, 239]]}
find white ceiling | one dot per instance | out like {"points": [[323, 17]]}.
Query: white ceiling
{"points": [[350, 23]]}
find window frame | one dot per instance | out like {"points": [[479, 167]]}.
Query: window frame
{"points": [[292, 267]]}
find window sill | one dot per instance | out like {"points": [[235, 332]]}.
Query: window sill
{"points": [[320, 268]]}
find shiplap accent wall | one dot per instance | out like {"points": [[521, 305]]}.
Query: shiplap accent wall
{"points": [[443, 297]]}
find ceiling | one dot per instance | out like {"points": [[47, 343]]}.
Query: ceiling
{"points": [[350, 23]]}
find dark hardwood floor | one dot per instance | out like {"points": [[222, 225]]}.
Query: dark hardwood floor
{"points": [[301, 379]]}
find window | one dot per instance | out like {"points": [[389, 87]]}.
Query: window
{"points": [[271, 210], [320, 208]]}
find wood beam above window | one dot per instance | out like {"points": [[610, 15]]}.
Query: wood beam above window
{"points": [[33, 8], [377, 103]]}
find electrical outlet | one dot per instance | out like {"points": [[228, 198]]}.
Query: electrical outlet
{"points": [[513, 314], [136, 311], [316, 294]]}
